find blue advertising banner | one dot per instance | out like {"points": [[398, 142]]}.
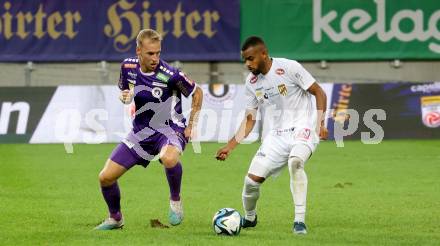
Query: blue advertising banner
{"points": [[80, 30], [410, 110]]}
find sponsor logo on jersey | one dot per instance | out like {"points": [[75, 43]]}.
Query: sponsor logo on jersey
{"points": [[270, 92], [260, 95], [166, 70], [159, 84], [282, 89], [299, 77], [186, 78], [131, 60], [162, 77], [431, 111], [130, 65], [132, 75], [279, 71], [131, 81], [127, 142], [260, 153], [182, 88], [157, 92], [254, 79]]}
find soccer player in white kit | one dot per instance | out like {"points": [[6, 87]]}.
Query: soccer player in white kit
{"points": [[283, 89]]}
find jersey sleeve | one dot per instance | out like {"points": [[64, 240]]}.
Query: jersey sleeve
{"points": [[299, 75], [123, 82], [251, 99], [182, 83]]}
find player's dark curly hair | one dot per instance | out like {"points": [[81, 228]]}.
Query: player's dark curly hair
{"points": [[252, 41]]}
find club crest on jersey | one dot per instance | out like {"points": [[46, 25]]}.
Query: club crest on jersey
{"points": [[157, 92], [282, 89], [304, 134], [279, 71], [254, 79]]}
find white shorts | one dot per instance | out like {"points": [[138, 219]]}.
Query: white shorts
{"points": [[278, 146]]}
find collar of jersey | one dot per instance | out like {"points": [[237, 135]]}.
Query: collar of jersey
{"points": [[146, 74]]}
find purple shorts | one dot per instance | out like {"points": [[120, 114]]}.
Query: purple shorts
{"points": [[131, 152]]}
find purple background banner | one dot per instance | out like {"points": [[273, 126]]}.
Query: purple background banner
{"points": [[93, 30]]}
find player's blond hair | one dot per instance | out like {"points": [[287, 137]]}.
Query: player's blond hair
{"points": [[147, 34]]}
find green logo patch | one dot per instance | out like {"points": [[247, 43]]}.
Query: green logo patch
{"points": [[162, 77]]}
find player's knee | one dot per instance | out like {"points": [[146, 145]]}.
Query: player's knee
{"points": [[295, 163], [256, 179], [169, 161], [105, 180], [250, 186]]}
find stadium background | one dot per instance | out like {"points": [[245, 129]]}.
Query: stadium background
{"points": [[50, 44], [58, 55]]}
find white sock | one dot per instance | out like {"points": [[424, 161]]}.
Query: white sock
{"points": [[251, 193], [298, 187]]}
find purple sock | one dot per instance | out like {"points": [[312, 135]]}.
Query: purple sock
{"points": [[174, 176], [112, 197]]}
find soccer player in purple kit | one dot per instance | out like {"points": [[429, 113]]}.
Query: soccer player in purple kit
{"points": [[159, 127]]}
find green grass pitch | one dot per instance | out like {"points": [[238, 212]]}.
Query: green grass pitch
{"points": [[385, 194]]}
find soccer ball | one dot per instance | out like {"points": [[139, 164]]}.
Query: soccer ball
{"points": [[227, 221]]}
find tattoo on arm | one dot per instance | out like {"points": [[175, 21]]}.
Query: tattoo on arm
{"points": [[196, 105]]}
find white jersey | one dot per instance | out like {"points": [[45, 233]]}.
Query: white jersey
{"points": [[282, 95]]}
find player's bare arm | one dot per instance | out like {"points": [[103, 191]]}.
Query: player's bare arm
{"points": [[196, 105], [321, 105], [245, 128]]}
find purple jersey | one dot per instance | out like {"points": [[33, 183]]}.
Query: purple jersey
{"points": [[157, 96]]}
